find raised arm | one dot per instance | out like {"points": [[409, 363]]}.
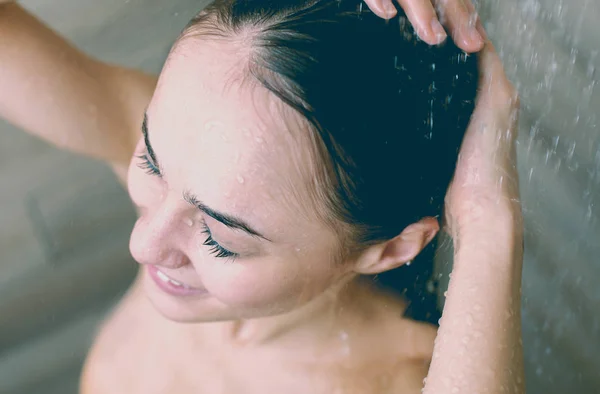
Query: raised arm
{"points": [[479, 348], [52, 90]]}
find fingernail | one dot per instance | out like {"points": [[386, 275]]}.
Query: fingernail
{"points": [[390, 10], [438, 30], [474, 35]]}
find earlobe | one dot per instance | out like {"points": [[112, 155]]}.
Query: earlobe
{"points": [[399, 250]]}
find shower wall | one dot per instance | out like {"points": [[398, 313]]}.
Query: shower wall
{"points": [[550, 49]]}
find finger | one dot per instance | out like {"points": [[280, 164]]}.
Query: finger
{"points": [[489, 62], [497, 100], [382, 8], [460, 17], [424, 19]]}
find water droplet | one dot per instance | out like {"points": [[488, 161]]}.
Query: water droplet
{"points": [[188, 221], [211, 125], [469, 319], [430, 286], [259, 139], [343, 335], [240, 179], [539, 371]]}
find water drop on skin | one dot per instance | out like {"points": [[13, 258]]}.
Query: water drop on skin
{"points": [[344, 336], [240, 179], [469, 319], [345, 345], [189, 222], [211, 125]]}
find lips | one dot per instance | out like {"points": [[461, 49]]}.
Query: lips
{"points": [[165, 278], [172, 286]]}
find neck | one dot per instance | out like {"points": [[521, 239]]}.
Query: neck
{"points": [[315, 322]]}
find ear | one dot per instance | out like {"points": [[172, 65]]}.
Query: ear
{"points": [[399, 250]]}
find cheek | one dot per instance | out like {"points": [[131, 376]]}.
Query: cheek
{"points": [[275, 285]]}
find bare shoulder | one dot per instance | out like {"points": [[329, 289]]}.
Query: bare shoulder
{"points": [[419, 338], [118, 338], [406, 364], [392, 355], [408, 374]]}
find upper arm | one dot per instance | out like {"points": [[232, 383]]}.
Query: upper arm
{"points": [[52, 90]]}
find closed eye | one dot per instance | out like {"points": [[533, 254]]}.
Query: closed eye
{"points": [[146, 164], [214, 247]]}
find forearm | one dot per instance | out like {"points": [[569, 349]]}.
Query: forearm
{"points": [[52, 90], [478, 348]]}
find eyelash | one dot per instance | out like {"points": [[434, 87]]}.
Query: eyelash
{"points": [[146, 165], [216, 249]]}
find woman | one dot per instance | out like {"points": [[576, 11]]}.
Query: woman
{"points": [[261, 204]]}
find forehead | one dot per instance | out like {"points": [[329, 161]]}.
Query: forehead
{"points": [[226, 139]]}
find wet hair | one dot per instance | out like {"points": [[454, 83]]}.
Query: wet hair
{"points": [[388, 110]]}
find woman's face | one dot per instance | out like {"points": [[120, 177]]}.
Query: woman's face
{"points": [[224, 198]]}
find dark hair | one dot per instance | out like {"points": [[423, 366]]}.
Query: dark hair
{"points": [[389, 111]]}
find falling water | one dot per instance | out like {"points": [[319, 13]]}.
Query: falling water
{"points": [[550, 50]]}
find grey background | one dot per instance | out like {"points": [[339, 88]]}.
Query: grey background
{"points": [[65, 221]]}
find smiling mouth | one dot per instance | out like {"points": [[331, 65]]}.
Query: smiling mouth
{"points": [[172, 286], [162, 276]]}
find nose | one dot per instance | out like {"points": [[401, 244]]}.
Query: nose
{"points": [[157, 235]]}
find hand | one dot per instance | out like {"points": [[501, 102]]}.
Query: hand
{"points": [[459, 16], [484, 194]]}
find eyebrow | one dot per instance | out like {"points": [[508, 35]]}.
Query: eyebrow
{"points": [[228, 220], [147, 140]]}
